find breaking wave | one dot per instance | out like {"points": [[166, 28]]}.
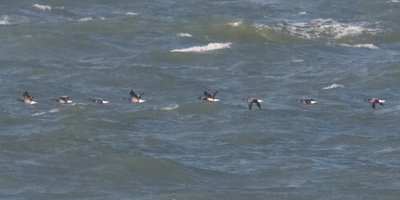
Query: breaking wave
{"points": [[334, 85], [368, 46], [208, 47], [320, 28], [42, 7], [184, 35]]}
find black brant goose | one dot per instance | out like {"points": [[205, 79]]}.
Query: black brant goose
{"points": [[250, 102], [307, 101], [208, 97], [27, 99], [373, 101]]}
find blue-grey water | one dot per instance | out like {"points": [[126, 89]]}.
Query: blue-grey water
{"points": [[175, 146]]}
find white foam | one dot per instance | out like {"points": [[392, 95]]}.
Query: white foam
{"points": [[168, 108], [42, 7], [4, 20], [302, 13], [85, 19], [395, 1], [388, 150], [208, 47], [38, 114], [297, 60], [368, 46], [131, 13], [334, 85], [184, 35], [235, 24], [54, 110], [318, 28]]}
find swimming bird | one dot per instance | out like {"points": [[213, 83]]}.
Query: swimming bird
{"points": [[100, 101], [250, 102], [136, 98], [63, 100], [307, 101], [373, 101], [27, 99], [208, 97]]}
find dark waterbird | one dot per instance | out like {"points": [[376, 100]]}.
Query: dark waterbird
{"points": [[27, 99], [99, 101], [250, 102], [373, 101], [307, 101], [209, 97], [136, 98]]}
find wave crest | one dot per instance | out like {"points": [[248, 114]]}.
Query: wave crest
{"points": [[42, 7], [208, 47], [320, 28]]}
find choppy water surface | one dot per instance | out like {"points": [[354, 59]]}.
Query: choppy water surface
{"points": [[176, 146]]}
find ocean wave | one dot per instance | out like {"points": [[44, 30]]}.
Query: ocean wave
{"points": [[9, 20], [38, 114], [4, 20], [334, 85], [85, 19], [42, 7], [320, 28], [184, 35], [168, 108], [297, 60], [131, 13], [369, 46], [208, 47], [55, 110], [235, 24]]}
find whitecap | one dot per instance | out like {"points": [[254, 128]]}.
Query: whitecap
{"points": [[208, 47], [319, 28], [85, 19], [42, 7], [54, 110], [13, 19], [235, 24], [38, 114], [388, 150], [168, 108], [131, 13], [4, 20], [297, 60], [302, 13], [368, 46], [334, 85], [184, 35]]}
